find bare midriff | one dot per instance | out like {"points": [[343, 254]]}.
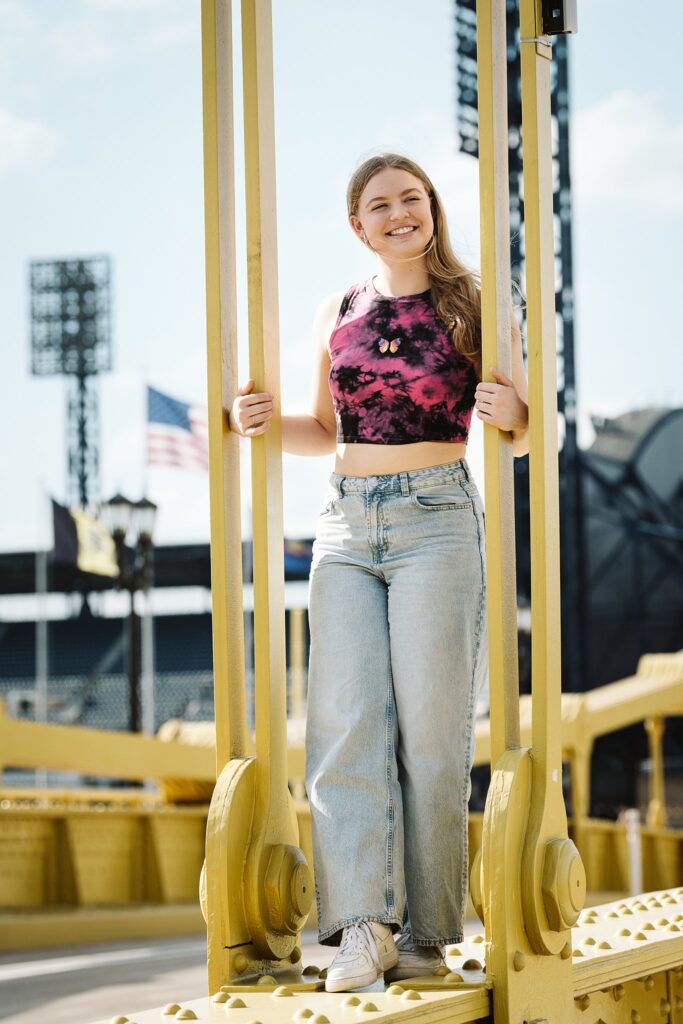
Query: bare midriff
{"points": [[378, 459]]}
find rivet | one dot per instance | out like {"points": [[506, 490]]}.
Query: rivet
{"points": [[453, 977], [364, 1008], [453, 951], [352, 1001], [577, 952], [186, 1015], [323, 974], [664, 1007], [604, 944], [611, 914], [119, 1020], [393, 990], [648, 983], [618, 992], [519, 960], [266, 979], [477, 938], [639, 905], [678, 917], [648, 926], [170, 1009], [589, 941], [640, 936], [673, 928], [410, 994], [566, 951], [635, 1017], [241, 962], [623, 933], [441, 971], [310, 970], [295, 955], [471, 965], [654, 903], [320, 1018], [220, 997], [662, 922], [235, 1004], [626, 912], [303, 1013], [282, 990], [583, 1002]]}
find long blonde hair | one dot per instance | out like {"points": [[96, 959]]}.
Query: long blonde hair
{"points": [[455, 288]]}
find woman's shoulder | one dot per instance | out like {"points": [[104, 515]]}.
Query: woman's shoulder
{"points": [[335, 299]]}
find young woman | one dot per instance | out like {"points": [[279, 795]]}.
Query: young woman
{"points": [[397, 587]]}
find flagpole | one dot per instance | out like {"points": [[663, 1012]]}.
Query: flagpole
{"points": [[147, 618], [41, 695]]}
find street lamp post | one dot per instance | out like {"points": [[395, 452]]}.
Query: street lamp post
{"points": [[134, 520]]}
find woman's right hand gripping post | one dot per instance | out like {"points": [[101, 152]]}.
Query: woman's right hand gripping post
{"points": [[251, 414]]}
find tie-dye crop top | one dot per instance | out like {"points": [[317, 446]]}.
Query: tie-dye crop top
{"points": [[396, 376]]}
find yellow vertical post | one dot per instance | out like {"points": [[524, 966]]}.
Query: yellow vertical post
{"points": [[297, 669], [278, 886], [550, 860], [494, 204], [221, 328], [656, 808], [297, 647], [230, 814], [532, 879]]}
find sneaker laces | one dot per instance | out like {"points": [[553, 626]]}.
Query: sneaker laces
{"points": [[360, 938]]}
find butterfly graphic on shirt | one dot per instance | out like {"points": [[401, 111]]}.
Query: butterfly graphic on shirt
{"points": [[388, 345]]}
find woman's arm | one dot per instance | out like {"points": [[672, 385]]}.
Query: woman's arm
{"points": [[504, 404]]}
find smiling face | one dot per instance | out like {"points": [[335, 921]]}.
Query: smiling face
{"points": [[394, 215]]}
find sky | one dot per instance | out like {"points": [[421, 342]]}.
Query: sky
{"points": [[101, 152]]}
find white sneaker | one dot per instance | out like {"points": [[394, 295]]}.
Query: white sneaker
{"points": [[414, 961], [367, 950]]}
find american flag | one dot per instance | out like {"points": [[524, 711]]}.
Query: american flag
{"points": [[177, 432]]}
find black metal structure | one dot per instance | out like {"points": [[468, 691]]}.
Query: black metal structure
{"points": [[71, 336], [572, 560]]}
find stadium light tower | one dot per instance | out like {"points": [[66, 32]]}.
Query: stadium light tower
{"points": [[71, 336]]}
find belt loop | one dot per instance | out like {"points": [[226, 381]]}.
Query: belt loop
{"points": [[340, 486], [405, 488], [465, 469]]}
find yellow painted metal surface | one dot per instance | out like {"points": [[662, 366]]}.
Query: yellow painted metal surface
{"points": [[98, 752], [257, 885], [531, 877], [75, 925], [624, 969], [84, 857]]}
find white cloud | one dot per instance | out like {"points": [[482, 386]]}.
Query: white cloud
{"points": [[23, 142], [627, 149], [79, 44]]}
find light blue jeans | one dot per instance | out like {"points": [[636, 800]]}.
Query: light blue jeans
{"points": [[398, 655]]}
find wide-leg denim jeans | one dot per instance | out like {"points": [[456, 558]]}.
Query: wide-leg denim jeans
{"points": [[398, 654]]}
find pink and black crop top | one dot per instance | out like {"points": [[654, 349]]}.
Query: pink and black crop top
{"points": [[396, 376]]}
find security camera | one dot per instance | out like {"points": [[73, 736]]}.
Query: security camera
{"points": [[559, 17]]}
